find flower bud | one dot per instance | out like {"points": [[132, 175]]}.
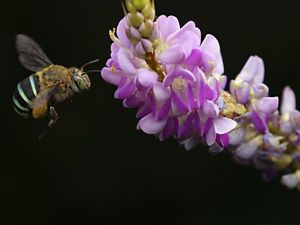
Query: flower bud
{"points": [[291, 180], [140, 4]]}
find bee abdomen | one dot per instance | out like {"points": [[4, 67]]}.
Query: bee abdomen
{"points": [[25, 94]]}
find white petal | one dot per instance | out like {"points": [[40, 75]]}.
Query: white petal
{"points": [[150, 125], [224, 125], [288, 101]]}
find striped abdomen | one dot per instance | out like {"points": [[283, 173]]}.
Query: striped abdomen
{"points": [[25, 95]]}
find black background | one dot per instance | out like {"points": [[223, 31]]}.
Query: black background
{"points": [[94, 167]]}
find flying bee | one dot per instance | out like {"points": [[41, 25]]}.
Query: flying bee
{"points": [[37, 94]]}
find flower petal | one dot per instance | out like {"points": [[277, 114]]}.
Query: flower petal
{"points": [[170, 129], [290, 180], [260, 90], [247, 150], [111, 76], [131, 102], [267, 105], [211, 45], [237, 135], [150, 125], [224, 125], [126, 63], [211, 136], [161, 93], [186, 128], [197, 124], [240, 91], [288, 101], [223, 140], [121, 33], [253, 71], [179, 102], [210, 109], [164, 110], [259, 123], [146, 78], [126, 89], [190, 143], [167, 25], [173, 55]]}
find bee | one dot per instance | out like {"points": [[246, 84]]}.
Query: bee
{"points": [[37, 94]]}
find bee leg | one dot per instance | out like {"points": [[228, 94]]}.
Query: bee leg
{"points": [[54, 117]]}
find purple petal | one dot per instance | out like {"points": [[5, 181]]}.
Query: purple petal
{"points": [[147, 44], [208, 124], [247, 150], [186, 128], [240, 91], [211, 136], [253, 71], [237, 136], [288, 101], [195, 57], [185, 40], [126, 63], [179, 102], [206, 93], [139, 48], [223, 82], [260, 90], [223, 140], [170, 129], [189, 26], [259, 123], [150, 125], [164, 110], [179, 72], [173, 55], [161, 93], [135, 33], [167, 25], [224, 125], [146, 78], [211, 45], [197, 124], [267, 105], [121, 33], [210, 109], [215, 86], [191, 96], [126, 89], [131, 102], [207, 62], [111, 76], [144, 110]]}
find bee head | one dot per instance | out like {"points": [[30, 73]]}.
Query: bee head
{"points": [[81, 80]]}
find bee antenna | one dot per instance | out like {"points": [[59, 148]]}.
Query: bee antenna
{"points": [[93, 71], [89, 63]]}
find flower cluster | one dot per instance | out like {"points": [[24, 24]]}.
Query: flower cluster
{"points": [[175, 80]]}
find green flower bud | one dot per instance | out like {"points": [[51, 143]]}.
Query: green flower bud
{"points": [[136, 19], [283, 162], [140, 4]]}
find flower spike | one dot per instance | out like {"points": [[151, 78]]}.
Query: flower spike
{"points": [[175, 80]]}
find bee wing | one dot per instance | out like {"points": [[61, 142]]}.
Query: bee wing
{"points": [[30, 53]]}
